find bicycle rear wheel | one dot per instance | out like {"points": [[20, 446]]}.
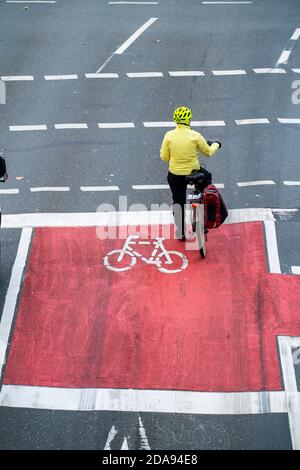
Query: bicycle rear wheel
{"points": [[200, 231]]}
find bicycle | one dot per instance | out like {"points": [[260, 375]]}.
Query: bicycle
{"points": [[127, 256], [196, 199]]}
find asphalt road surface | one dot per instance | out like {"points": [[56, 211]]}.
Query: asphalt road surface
{"points": [[87, 106]]}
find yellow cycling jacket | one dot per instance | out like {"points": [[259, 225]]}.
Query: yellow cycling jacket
{"points": [[181, 147]]}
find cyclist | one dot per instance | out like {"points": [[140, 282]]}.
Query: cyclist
{"points": [[180, 147]]}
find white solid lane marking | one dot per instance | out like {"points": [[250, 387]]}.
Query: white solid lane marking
{"points": [[283, 59], [145, 74], [18, 78], [191, 73], [9, 191], [255, 183], [270, 70], [61, 77], [292, 183], [135, 35], [28, 128], [229, 72], [296, 70], [272, 249], [13, 291], [241, 122], [115, 125], [102, 75], [295, 270], [150, 186], [50, 189], [289, 120], [79, 125], [296, 35], [111, 435], [290, 386], [99, 188]]}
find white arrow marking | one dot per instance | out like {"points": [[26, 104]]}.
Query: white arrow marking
{"points": [[125, 445], [111, 435], [144, 440]]}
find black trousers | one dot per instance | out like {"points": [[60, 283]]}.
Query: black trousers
{"points": [[178, 187]]}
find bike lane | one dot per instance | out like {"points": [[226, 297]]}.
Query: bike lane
{"points": [[211, 326]]}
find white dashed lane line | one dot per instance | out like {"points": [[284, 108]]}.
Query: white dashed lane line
{"points": [[61, 77], [152, 74], [71, 126], [31, 1], [116, 125], [133, 3], [42, 127], [229, 72], [159, 124], [187, 73], [144, 75], [102, 75], [9, 191], [139, 187], [99, 188], [243, 122], [289, 120], [50, 189], [150, 124], [227, 3], [270, 70], [285, 55], [150, 186], [296, 35], [291, 183], [255, 183], [18, 78]]}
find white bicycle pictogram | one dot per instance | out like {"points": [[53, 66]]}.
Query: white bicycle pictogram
{"points": [[128, 256]]}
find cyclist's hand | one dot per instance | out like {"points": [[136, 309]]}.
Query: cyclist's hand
{"points": [[209, 142]]}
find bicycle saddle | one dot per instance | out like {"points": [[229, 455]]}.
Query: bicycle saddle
{"points": [[195, 178]]}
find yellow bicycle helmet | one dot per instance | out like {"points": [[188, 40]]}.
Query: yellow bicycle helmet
{"points": [[182, 115]]}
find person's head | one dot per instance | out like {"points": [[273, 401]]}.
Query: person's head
{"points": [[182, 115]]}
